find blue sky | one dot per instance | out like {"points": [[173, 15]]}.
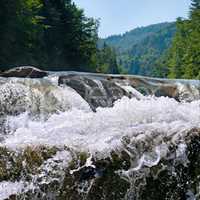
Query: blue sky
{"points": [[119, 16]]}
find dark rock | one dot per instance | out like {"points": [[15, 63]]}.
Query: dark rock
{"points": [[24, 72], [167, 91], [101, 182], [97, 92], [169, 179], [85, 173], [104, 90]]}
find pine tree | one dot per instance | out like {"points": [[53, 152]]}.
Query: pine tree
{"points": [[106, 60], [50, 34], [184, 59], [195, 5]]}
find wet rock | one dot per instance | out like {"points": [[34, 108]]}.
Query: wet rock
{"points": [[24, 72], [103, 90], [97, 92], [167, 91], [85, 173], [169, 179], [187, 90], [173, 179], [101, 182]]}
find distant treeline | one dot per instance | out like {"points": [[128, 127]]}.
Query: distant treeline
{"points": [[139, 50], [52, 35]]}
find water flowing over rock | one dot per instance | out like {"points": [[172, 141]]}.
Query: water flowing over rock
{"points": [[187, 90], [98, 93], [84, 136]]}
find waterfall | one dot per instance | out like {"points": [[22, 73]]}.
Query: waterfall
{"points": [[91, 136]]}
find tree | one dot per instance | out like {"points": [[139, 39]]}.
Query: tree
{"points": [[50, 34], [194, 6], [184, 56], [106, 61]]}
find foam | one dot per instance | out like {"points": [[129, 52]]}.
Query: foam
{"points": [[39, 97], [10, 188], [103, 131]]}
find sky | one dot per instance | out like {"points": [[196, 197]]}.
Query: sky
{"points": [[119, 16]]}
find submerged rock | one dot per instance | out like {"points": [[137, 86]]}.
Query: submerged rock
{"points": [[24, 72]]}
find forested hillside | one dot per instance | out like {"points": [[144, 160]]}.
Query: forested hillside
{"points": [[139, 50], [49, 34], [127, 40], [57, 35], [163, 50]]}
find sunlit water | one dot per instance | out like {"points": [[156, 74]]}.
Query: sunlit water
{"points": [[51, 115]]}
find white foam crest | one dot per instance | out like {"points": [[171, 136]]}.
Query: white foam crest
{"points": [[188, 92], [41, 96], [10, 188], [13, 94], [52, 169], [132, 90], [102, 131], [149, 159]]}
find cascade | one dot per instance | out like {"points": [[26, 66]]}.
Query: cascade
{"points": [[89, 136]]}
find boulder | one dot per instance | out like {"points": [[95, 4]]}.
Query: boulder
{"points": [[24, 72], [97, 92]]}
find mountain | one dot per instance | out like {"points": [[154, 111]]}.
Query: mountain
{"points": [[140, 50]]}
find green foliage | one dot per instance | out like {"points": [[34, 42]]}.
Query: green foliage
{"points": [[140, 51], [105, 60], [184, 57], [126, 41], [53, 35], [162, 50]]}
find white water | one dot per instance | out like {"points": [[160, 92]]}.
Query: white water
{"points": [[102, 131], [51, 170], [10, 188], [70, 121], [148, 121], [39, 97]]}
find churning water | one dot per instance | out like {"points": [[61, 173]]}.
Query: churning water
{"points": [[41, 113]]}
